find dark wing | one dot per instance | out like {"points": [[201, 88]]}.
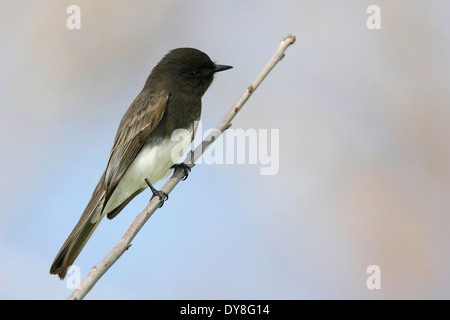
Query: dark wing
{"points": [[136, 126]]}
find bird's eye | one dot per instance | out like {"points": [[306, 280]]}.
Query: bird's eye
{"points": [[195, 74]]}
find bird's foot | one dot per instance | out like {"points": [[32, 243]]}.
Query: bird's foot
{"points": [[157, 193], [186, 168]]}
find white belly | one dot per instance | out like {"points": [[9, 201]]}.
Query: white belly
{"points": [[152, 162]]}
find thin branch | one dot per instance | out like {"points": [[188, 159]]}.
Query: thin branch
{"points": [[125, 242]]}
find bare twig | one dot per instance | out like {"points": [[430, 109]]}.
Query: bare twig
{"points": [[125, 242]]}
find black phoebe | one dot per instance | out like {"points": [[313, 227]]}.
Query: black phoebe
{"points": [[144, 149]]}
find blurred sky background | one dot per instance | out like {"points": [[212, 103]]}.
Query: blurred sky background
{"points": [[364, 151]]}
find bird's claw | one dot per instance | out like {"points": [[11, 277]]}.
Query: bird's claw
{"points": [[183, 167], [157, 193], [162, 195]]}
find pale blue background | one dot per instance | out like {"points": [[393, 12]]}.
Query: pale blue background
{"points": [[364, 130]]}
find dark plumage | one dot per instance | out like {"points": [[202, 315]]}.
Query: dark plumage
{"points": [[170, 100]]}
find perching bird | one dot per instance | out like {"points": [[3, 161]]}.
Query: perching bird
{"points": [[144, 148]]}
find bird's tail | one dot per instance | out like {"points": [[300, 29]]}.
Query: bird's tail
{"points": [[90, 219]]}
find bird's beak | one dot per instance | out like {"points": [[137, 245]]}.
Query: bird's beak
{"points": [[221, 67]]}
